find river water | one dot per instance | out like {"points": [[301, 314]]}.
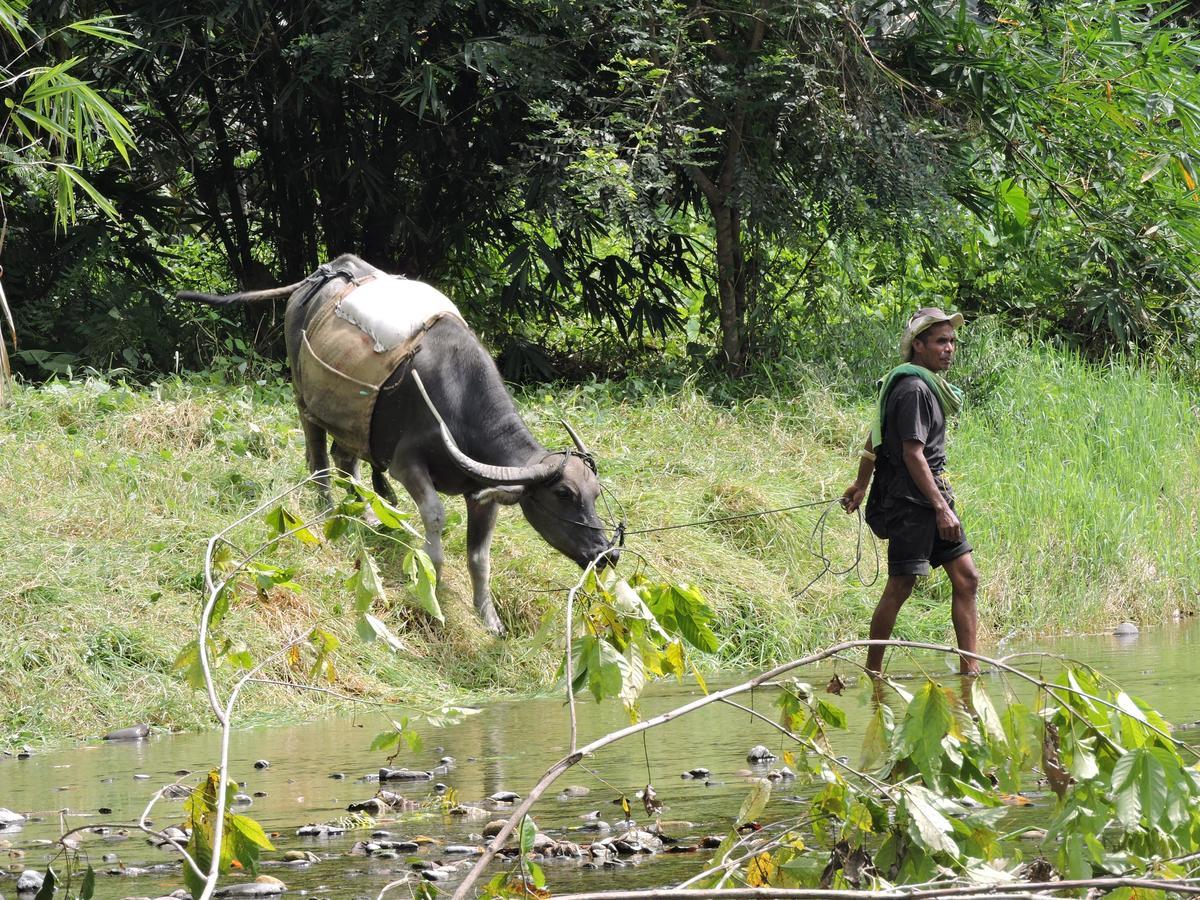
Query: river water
{"points": [[503, 748]]}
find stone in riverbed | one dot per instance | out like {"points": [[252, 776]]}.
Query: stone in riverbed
{"points": [[300, 856], [386, 774], [319, 830], [759, 754], [1126, 629], [634, 841], [573, 790], [505, 797], [698, 772], [492, 828], [253, 888], [8, 817], [262, 764], [133, 733], [30, 882]]}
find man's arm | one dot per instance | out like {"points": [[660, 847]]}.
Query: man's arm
{"points": [[948, 526], [853, 497]]}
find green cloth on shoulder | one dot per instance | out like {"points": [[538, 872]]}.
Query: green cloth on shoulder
{"points": [[950, 397]]}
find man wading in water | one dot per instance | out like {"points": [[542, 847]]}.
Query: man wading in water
{"points": [[911, 503]]}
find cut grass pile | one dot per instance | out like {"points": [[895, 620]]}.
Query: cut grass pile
{"points": [[1078, 486]]}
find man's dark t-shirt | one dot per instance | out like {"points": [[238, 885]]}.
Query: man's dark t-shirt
{"points": [[914, 414]]}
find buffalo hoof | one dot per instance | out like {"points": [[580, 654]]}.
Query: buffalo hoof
{"points": [[493, 624]]}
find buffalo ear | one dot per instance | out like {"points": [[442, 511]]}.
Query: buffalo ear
{"points": [[505, 495]]}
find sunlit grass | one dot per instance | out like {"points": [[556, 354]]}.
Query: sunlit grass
{"points": [[1078, 485]]}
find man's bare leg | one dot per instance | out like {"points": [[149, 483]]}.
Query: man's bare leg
{"points": [[964, 578], [898, 589]]}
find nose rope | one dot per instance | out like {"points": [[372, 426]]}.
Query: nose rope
{"points": [[816, 537]]}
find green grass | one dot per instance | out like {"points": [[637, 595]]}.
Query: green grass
{"points": [[1078, 485]]}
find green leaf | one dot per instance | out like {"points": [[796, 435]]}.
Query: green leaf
{"points": [[692, 615], [335, 526], [281, 520], [1160, 163], [633, 679], [878, 738], [989, 719], [929, 828], [87, 887], [388, 515], [188, 662], [420, 569], [927, 720], [831, 715], [220, 607], [605, 670], [1074, 851], [324, 643], [528, 834], [386, 740], [755, 802], [1140, 787], [1083, 766], [365, 582], [49, 886], [369, 628], [249, 829]]}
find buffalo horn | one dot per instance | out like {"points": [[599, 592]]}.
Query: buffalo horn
{"points": [[485, 472], [574, 437]]}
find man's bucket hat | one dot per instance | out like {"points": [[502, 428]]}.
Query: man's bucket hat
{"points": [[922, 319]]}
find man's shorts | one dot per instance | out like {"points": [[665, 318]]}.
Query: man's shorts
{"points": [[914, 545]]}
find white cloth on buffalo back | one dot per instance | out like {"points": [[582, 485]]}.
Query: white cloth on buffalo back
{"points": [[391, 310]]}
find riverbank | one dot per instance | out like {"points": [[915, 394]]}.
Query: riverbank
{"points": [[1079, 486]]}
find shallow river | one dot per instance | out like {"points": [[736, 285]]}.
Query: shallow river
{"points": [[316, 770]]}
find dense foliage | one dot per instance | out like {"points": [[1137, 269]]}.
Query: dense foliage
{"points": [[592, 179]]}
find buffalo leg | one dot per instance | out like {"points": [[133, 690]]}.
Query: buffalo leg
{"points": [[346, 463], [381, 485], [316, 453], [481, 522], [433, 514]]}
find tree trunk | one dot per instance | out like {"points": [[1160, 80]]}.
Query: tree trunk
{"points": [[729, 285]]}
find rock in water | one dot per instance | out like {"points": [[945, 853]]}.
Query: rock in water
{"points": [[133, 733], [1125, 629], [759, 753], [8, 817], [30, 882], [253, 888], [492, 828], [504, 797], [386, 774], [262, 764]]}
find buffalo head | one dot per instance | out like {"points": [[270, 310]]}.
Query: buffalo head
{"points": [[557, 494]]}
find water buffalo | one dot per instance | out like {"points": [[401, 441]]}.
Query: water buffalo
{"points": [[480, 448]]}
